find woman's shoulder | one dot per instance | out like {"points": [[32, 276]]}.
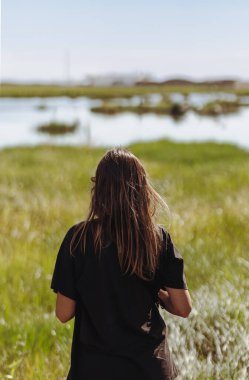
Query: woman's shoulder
{"points": [[73, 229], [75, 232], [80, 225], [162, 230], [166, 239]]}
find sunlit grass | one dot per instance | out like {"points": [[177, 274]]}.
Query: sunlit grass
{"points": [[44, 190], [213, 343]]}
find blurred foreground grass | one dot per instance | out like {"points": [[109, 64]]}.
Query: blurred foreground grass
{"points": [[44, 190]]}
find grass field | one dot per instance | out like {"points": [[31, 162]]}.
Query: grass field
{"points": [[44, 190], [107, 92]]}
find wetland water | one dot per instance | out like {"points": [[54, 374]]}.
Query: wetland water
{"points": [[20, 117]]}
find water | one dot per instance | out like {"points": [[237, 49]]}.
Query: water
{"points": [[20, 117]]}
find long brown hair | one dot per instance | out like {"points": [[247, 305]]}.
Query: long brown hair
{"points": [[123, 205]]}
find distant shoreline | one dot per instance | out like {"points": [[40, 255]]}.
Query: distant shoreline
{"points": [[184, 87]]}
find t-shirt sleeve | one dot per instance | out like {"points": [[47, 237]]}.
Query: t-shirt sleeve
{"points": [[172, 265], [64, 278]]}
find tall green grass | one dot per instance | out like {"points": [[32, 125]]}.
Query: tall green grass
{"points": [[44, 190]]}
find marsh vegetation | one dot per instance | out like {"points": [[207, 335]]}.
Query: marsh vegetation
{"points": [[215, 108], [109, 92], [58, 128], [44, 190]]}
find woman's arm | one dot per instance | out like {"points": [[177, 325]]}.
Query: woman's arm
{"points": [[176, 301], [65, 308]]}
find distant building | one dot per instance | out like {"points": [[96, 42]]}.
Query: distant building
{"points": [[113, 79]]}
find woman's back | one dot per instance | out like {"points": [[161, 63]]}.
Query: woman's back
{"points": [[116, 314], [122, 306]]}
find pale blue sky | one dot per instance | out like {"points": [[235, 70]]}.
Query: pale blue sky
{"points": [[190, 38]]}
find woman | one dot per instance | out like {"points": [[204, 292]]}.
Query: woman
{"points": [[112, 272]]}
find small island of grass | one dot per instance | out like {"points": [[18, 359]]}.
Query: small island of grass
{"points": [[58, 128], [220, 107]]}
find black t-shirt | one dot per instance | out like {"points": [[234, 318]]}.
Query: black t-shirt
{"points": [[117, 316]]}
